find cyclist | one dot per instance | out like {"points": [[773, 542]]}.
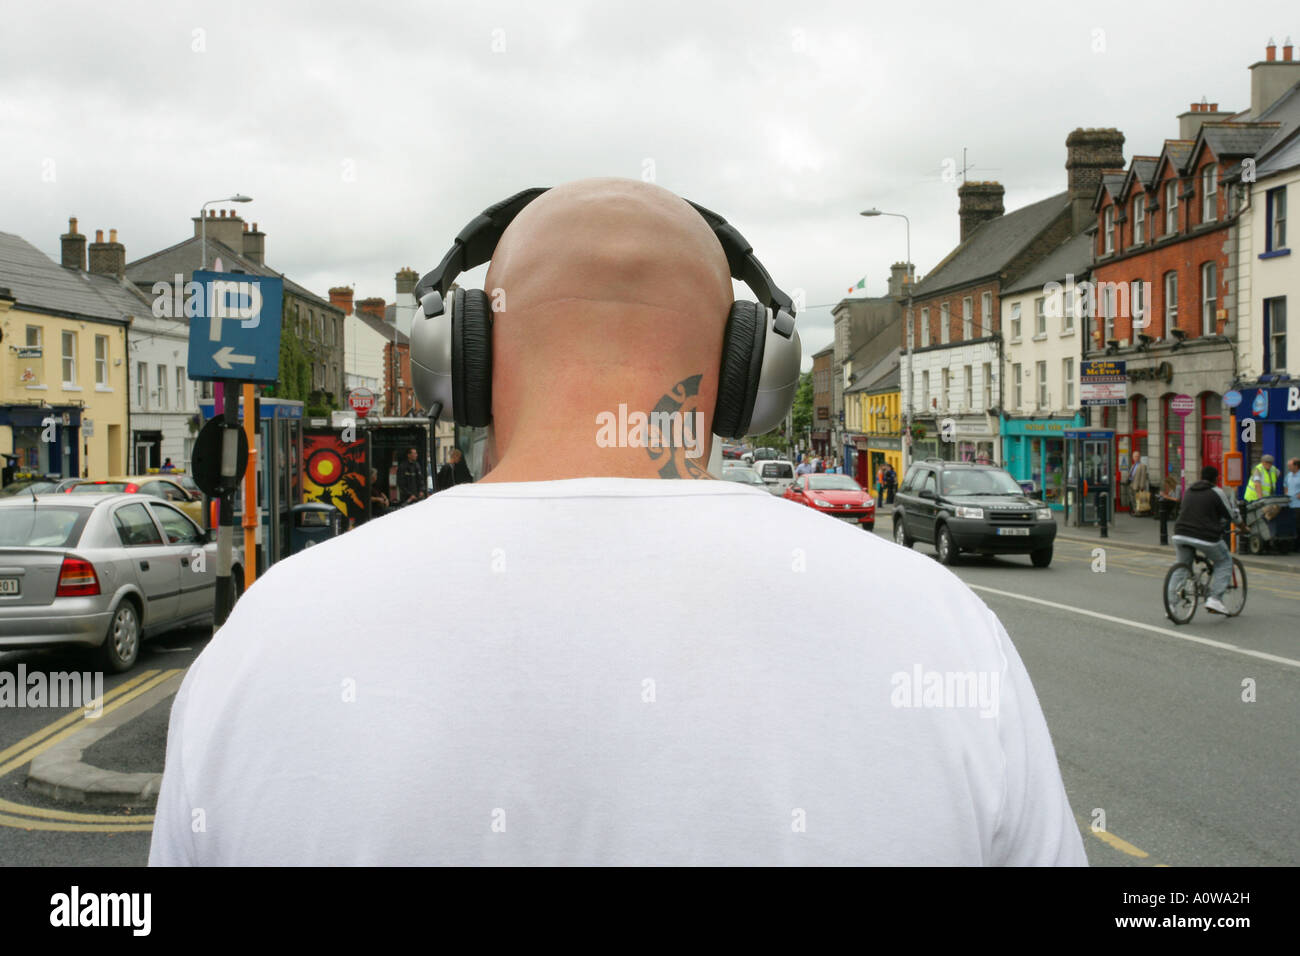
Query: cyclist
{"points": [[1204, 517]]}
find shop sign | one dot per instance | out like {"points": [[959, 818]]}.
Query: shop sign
{"points": [[1102, 383], [1164, 372]]}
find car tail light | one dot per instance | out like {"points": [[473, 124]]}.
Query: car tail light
{"points": [[77, 578], [131, 488]]}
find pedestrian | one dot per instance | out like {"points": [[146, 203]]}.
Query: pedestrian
{"points": [[1140, 487], [167, 467], [411, 485], [378, 499], [1263, 480], [805, 466], [891, 483], [454, 471], [492, 699], [1293, 482], [1204, 518], [880, 481]]}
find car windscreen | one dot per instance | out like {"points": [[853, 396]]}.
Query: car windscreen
{"points": [[980, 481], [776, 470], [41, 527], [832, 483], [98, 488], [746, 476]]}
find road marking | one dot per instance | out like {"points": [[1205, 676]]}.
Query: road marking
{"points": [[1222, 645], [27, 755], [1119, 844], [18, 823], [77, 714], [71, 816]]}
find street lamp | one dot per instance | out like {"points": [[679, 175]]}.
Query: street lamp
{"points": [[203, 220], [907, 410]]}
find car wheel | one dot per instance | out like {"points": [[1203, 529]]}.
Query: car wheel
{"points": [[1041, 558], [947, 551], [900, 534], [121, 646], [870, 526]]}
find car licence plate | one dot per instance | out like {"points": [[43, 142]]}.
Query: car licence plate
{"points": [[9, 586], [847, 517], [1023, 531]]}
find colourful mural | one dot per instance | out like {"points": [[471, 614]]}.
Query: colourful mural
{"points": [[334, 472]]}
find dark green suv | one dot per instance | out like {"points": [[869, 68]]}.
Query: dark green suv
{"points": [[960, 506]]}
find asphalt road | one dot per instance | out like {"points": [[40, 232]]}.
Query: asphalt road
{"points": [[1149, 721]]}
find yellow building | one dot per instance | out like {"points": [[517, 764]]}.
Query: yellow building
{"points": [[63, 368], [883, 424]]}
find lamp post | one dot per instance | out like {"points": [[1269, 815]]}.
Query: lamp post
{"points": [[203, 221], [907, 408]]}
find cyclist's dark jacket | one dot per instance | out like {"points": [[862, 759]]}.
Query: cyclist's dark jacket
{"points": [[1202, 514]]}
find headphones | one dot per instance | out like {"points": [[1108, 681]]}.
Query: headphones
{"points": [[451, 340]]}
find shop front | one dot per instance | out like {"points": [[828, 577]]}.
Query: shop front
{"points": [[883, 450], [1276, 413], [974, 439], [1034, 452], [42, 440]]}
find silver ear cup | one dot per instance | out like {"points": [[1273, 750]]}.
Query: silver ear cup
{"points": [[431, 356], [777, 382]]}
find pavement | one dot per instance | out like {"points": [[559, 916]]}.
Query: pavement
{"points": [[1143, 534]]}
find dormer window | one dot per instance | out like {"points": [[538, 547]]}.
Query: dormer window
{"points": [[1139, 220], [1171, 207], [1108, 230]]}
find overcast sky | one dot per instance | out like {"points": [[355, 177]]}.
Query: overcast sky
{"points": [[370, 133]]}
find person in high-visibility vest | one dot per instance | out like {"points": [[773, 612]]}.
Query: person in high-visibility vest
{"points": [[1263, 480]]}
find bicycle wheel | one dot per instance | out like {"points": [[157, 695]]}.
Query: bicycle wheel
{"points": [[1180, 593], [1234, 599]]}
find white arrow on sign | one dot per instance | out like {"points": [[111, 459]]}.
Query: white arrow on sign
{"points": [[227, 359]]}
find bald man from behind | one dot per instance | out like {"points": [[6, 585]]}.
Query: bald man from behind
{"points": [[628, 662]]}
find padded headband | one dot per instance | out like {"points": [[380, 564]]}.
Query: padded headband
{"points": [[477, 241]]}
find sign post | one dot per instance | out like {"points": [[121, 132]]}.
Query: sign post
{"points": [[234, 339]]}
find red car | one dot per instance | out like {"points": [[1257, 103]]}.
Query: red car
{"points": [[836, 495]]}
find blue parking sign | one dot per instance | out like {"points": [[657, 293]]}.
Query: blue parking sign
{"points": [[235, 332]]}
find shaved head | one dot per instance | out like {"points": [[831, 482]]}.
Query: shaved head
{"points": [[610, 291]]}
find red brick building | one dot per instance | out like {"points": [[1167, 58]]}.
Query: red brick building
{"points": [[1161, 300]]}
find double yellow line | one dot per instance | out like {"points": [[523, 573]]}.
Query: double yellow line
{"points": [[32, 746]]}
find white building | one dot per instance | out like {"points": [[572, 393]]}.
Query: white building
{"points": [[1043, 322]]}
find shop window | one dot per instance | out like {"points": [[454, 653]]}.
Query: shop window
{"points": [[1173, 432]]}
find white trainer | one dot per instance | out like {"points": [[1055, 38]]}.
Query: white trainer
{"points": [[1214, 604]]}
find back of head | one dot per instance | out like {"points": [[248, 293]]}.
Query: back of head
{"points": [[1210, 473], [612, 293]]}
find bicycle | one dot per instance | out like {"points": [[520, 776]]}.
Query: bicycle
{"points": [[1187, 585]]}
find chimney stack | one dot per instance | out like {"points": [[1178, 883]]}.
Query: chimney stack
{"points": [[1190, 122], [341, 298], [1089, 152], [1271, 77], [978, 202], [372, 307], [254, 246], [406, 280], [900, 279], [74, 247], [228, 230], [107, 258]]}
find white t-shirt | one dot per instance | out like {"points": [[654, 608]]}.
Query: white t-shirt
{"points": [[610, 671]]}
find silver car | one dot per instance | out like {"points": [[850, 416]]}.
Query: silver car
{"points": [[103, 572]]}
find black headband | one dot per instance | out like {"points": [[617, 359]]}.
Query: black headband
{"points": [[477, 241]]}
